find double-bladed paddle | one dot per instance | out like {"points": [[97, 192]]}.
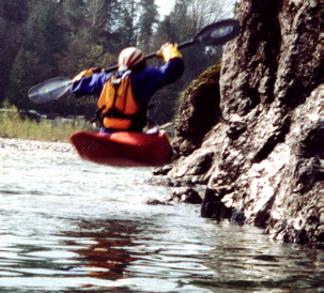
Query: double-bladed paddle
{"points": [[215, 34]]}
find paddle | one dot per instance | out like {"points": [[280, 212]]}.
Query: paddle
{"points": [[214, 34]]}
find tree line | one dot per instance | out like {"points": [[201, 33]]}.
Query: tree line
{"points": [[40, 39]]}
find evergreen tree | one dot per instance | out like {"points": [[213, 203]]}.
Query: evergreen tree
{"points": [[149, 17], [85, 28], [37, 57], [127, 27], [13, 14], [72, 14]]}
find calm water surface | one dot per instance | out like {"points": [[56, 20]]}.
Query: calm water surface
{"points": [[71, 226]]}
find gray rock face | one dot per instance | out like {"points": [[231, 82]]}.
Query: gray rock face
{"points": [[259, 154]]}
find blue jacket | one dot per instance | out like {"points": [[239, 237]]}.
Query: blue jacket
{"points": [[144, 83]]}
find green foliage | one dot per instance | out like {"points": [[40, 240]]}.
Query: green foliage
{"points": [[149, 17], [37, 56], [13, 14], [14, 11], [13, 126], [127, 28]]}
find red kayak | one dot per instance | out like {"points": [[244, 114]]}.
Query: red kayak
{"points": [[126, 149]]}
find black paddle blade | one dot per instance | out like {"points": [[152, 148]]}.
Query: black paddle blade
{"points": [[218, 33]]}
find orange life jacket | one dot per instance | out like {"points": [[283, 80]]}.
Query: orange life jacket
{"points": [[117, 103]]}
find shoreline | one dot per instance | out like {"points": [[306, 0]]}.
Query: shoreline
{"points": [[35, 145]]}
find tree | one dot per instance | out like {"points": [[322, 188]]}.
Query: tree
{"points": [[37, 56], [127, 28], [13, 14], [184, 21], [149, 17], [204, 12]]}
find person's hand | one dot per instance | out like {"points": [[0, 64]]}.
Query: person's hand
{"points": [[169, 51], [86, 73]]}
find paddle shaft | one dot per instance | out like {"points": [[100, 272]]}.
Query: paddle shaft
{"points": [[152, 55]]}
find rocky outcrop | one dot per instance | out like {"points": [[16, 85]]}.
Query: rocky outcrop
{"points": [[253, 146], [201, 99]]}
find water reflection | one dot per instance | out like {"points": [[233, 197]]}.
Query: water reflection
{"points": [[105, 257], [247, 262], [232, 259]]}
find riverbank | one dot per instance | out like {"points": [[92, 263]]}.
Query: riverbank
{"points": [[34, 145], [16, 124]]}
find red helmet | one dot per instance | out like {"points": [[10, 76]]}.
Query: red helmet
{"points": [[129, 57]]}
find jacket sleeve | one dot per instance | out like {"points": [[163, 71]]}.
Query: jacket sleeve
{"points": [[147, 82], [91, 85], [169, 72]]}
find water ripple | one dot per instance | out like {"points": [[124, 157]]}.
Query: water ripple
{"points": [[72, 226]]}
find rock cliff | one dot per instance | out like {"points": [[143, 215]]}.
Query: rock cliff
{"points": [[249, 137]]}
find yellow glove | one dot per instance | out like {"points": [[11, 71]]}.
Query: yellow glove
{"points": [[86, 73], [169, 51]]}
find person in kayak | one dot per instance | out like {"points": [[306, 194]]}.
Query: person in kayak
{"points": [[125, 94]]}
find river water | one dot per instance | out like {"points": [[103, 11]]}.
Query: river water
{"points": [[73, 226]]}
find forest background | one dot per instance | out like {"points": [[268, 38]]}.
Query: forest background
{"points": [[41, 39]]}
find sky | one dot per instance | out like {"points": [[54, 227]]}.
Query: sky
{"points": [[165, 6]]}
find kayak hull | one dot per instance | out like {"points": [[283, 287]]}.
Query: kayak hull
{"points": [[125, 149]]}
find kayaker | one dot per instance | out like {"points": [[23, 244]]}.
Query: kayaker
{"points": [[125, 94]]}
